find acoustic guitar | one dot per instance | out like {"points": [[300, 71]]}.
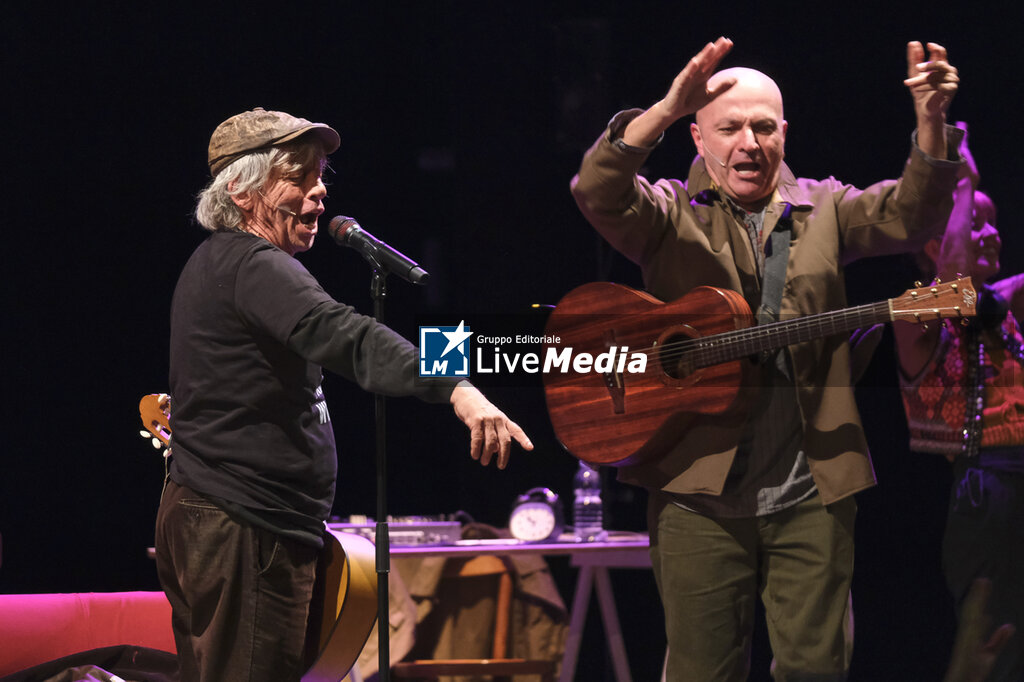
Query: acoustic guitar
{"points": [[155, 412], [697, 354], [346, 594], [344, 607]]}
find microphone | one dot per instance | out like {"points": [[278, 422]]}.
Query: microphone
{"points": [[347, 232], [712, 155]]}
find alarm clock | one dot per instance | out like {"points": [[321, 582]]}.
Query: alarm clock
{"points": [[536, 516]]}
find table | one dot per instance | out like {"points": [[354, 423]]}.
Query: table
{"points": [[620, 550]]}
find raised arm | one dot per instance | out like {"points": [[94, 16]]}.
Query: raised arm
{"points": [[932, 84], [954, 255], [688, 93], [915, 343], [970, 168], [1011, 289]]}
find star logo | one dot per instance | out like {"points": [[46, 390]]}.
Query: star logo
{"points": [[444, 351], [456, 338]]}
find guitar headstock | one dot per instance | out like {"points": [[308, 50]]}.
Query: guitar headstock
{"points": [[155, 411], [940, 300]]}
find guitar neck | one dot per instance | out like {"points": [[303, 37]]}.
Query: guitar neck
{"points": [[720, 348]]}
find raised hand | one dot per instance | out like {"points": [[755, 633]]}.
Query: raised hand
{"points": [[688, 93], [932, 83], [689, 90]]}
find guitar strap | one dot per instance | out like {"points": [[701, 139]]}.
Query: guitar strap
{"points": [[776, 259]]}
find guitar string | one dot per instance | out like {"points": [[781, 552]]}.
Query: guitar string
{"points": [[716, 348], [838, 321], [736, 344]]}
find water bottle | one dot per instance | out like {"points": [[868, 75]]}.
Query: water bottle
{"points": [[588, 513]]}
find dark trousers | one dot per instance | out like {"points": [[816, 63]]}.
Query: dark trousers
{"points": [[985, 539], [710, 571], [239, 594]]}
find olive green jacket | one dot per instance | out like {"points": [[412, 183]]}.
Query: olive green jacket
{"points": [[684, 235]]}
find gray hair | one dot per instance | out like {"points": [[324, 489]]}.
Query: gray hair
{"points": [[215, 209]]}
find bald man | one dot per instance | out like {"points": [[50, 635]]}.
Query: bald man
{"points": [[760, 502]]}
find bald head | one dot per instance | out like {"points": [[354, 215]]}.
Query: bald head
{"points": [[749, 85], [741, 134]]}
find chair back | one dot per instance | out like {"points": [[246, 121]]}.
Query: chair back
{"points": [[498, 666]]}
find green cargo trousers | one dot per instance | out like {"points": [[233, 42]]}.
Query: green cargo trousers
{"points": [[709, 572]]}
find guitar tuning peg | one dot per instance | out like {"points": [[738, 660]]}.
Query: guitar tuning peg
{"points": [[938, 281], [144, 434], [156, 443], [964, 322], [917, 284]]}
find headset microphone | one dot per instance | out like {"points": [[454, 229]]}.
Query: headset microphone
{"points": [[712, 155], [278, 207], [709, 152]]}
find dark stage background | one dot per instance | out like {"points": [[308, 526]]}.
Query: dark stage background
{"points": [[461, 126]]}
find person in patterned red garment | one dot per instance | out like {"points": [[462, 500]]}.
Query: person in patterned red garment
{"points": [[963, 393]]}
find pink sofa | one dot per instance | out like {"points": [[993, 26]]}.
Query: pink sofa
{"points": [[35, 628]]}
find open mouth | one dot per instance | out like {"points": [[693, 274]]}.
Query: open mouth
{"points": [[747, 167], [309, 218]]}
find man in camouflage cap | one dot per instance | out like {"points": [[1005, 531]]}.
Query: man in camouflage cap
{"points": [[259, 129], [239, 153], [253, 464]]}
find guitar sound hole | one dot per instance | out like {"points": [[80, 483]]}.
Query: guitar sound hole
{"points": [[675, 363]]}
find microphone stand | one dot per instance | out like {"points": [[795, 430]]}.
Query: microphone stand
{"points": [[378, 292]]}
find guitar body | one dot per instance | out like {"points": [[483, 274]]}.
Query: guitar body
{"points": [[346, 591], [697, 350], [619, 419]]}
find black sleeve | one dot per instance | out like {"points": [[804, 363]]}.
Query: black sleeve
{"points": [[276, 294], [360, 349]]}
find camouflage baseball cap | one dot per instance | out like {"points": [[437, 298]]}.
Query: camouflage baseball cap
{"points": [[259, 129]]}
